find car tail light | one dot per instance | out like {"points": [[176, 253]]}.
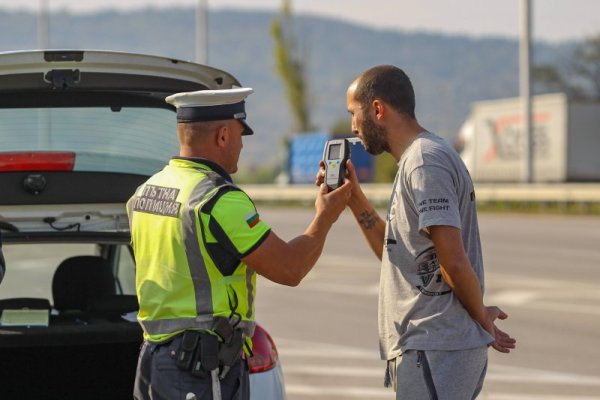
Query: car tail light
{"points": [[264, 352], [37, 161]]}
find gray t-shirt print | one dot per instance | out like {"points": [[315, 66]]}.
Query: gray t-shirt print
{"points": [[417, 309]]}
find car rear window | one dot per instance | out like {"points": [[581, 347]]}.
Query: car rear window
{"points": [[32, 266], [31, 271], [127, 140]]}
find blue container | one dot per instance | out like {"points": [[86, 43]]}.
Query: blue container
{"points": [[306, 150]]}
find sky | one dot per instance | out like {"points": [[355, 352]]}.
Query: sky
{"points": [[552, 20]]}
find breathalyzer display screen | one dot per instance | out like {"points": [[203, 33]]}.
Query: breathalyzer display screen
{"points": [[334, 152]]}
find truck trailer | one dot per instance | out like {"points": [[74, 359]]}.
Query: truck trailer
{"points": [[566, 140]]}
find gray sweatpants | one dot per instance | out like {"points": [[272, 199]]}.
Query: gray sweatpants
{"points": [[440, 375]]}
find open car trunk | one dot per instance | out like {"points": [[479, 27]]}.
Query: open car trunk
{"points": [[88, 349], [70, 360]]}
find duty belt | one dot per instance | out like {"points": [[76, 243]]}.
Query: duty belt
{"points": [[214, 352]]}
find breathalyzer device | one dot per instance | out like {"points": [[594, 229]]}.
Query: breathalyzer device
{"points": [[335, 155]]}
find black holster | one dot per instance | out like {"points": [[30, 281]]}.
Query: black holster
{"points": [[201, 352]]}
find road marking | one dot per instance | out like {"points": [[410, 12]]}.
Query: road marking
{"points": [[320, 370], [346, 392], [349, 261], [506, 373], [361, 290], [495, 373], [343, 392], [511, 396], [498, 373], [537, 300], [301, 348], [512, 297], [528, 282]]}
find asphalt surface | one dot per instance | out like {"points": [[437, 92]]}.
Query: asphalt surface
{"points": [[544, 271]]}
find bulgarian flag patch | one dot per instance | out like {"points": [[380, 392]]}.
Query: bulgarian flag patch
{"points": [[252, 219]]}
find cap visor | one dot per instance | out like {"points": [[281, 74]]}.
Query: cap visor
{"points": [[247, 130]]}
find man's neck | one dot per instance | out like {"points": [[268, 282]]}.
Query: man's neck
{"points": [[405, 138]]}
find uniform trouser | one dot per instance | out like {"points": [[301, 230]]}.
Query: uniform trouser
{"points": [[158, 378], [440, 375]]}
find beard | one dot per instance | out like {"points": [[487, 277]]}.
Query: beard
{"points": [[374, 138]]}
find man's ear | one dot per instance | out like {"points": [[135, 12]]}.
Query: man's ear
{"points": [[378, 109], [222, 136]]}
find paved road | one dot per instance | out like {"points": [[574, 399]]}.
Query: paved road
{"points": [[544, 271]]}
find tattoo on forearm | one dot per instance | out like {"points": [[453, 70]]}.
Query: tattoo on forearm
{"points": [[367, 219]]}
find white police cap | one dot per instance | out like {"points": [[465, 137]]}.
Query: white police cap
{"points": [[212, 105]]}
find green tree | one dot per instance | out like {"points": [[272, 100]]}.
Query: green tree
{"points": [[385, 168], [290, 67], [586, 66], [579, 78], [342, 127]]}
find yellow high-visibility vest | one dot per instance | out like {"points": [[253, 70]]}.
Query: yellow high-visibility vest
{"points": [[179, 285]]}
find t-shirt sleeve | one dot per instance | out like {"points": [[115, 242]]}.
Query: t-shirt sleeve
{"points": [[239, 220], [435, 197]]}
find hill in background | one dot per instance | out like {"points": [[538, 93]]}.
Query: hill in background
{"points": [[448, 72]]}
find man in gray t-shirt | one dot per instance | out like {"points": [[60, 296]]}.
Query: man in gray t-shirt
{"points": [[417, 308], [434, 329]]}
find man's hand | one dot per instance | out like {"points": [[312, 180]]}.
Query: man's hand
{"points": [[351, 176], [502, 341], [331, 204]]}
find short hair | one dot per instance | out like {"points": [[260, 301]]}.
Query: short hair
{"points": [[199, 127], [388, 83]]}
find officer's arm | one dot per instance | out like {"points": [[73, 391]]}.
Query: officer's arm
{"points": [[288, 262]]}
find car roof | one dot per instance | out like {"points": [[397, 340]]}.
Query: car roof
{"points": [[91, 77]]}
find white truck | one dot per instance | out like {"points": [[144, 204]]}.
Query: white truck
{"points": [[566, 140]]}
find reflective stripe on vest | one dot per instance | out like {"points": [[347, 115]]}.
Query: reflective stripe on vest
{"points": [[164, 326], [199, 196]]}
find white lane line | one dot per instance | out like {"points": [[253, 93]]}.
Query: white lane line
{"points": [[294, 349], [314, 285], [331, 355], [506, 373], [513, 297], [544, 300], [343, 392], [511, 396], [495, 373], [360, 290], [518, 281], [320, 370], [303, 348], [566, 308], [349, 261]]}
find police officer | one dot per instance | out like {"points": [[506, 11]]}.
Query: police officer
{"points": [[199, 242]]}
